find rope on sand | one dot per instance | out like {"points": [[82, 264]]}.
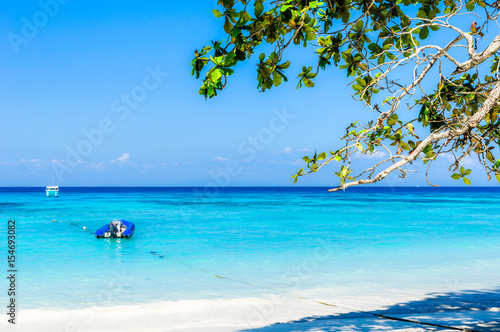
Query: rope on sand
{"points": [[412, 321]]}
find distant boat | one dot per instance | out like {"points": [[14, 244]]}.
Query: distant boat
{"points": [[116, 229], [52, 191]]}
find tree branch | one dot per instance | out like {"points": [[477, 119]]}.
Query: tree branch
{"points": [[469, 124], [478, 58]]}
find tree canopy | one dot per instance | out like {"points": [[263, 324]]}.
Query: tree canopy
{"points": [[426, 67]]}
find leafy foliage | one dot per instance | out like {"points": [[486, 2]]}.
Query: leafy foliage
{"points": [[369, 41]]}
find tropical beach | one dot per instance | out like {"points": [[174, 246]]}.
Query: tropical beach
{"points": [[253, 166], [247, 258]]}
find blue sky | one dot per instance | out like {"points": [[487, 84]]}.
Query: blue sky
{"points": [[64, 86]]}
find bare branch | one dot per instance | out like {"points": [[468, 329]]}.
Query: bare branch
{"points": [[469, 124], [478, 58]]}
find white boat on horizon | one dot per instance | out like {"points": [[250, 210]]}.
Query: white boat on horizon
{"points": [[52, 191]]}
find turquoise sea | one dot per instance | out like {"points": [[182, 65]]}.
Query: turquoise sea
{"points": [[379, 241]]}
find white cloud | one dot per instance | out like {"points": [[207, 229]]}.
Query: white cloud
{"points": [[121, 159], [374, 155], [287, 150], [33, 161], [304, 150], [146, 166], [468, 161], [97, 166], [219, 158], [295, 162], [39, 164]]}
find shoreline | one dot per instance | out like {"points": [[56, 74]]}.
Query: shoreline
{"points": [[271, 314]]}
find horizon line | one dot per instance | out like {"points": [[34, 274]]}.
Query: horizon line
{"points": [[257, 186]]}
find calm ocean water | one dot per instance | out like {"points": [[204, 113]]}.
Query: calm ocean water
{"points": [[301, 239]]}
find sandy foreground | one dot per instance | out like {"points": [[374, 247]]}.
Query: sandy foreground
{"points": [[480, 312]]}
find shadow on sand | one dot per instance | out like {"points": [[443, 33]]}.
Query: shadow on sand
{"points": [[478, 311]]}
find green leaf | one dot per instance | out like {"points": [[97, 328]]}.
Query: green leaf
{"points": [[381, 59], [490, 157], [315, 4], [498, 177], [277, 79], [424, 33], [357, 87], [455, 176], [216, 75], [359, 26], [467, 172], [392, 120], [467, 181], [284, 65], [258, 9], [308, 83], [217, 13], [462, 170], [361, 82], [228, 26]]}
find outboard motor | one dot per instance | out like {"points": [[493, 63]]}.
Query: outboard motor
{"points": [[114, 229]]}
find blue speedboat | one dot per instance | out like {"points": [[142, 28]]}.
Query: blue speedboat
{"points": [[116, 229]]}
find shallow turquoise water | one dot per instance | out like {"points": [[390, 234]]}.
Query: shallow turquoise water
{"points": [[300, 239]]}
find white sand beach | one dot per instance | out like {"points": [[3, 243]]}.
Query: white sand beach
{"points": [[479, 311]]}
